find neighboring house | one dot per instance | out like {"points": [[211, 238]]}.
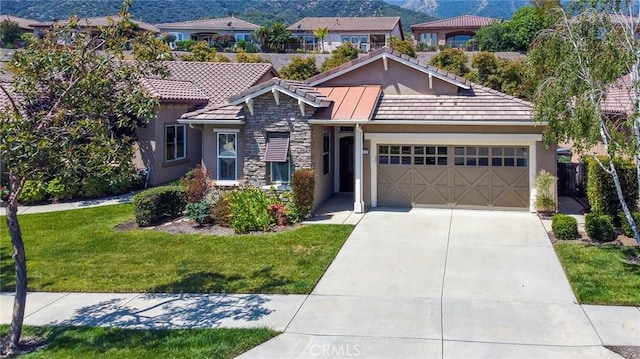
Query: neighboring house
{"points": [[365, 33], [455, 32], [167, 148], [25, 25], [385, 127], [207, 29], [93, 25]]}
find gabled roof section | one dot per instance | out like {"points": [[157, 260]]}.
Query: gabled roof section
{"points": [[224, 23], [22, 22], [458, 22], [342, 24], [298, 90], [386, 53], [98, 22], [174, 90]]}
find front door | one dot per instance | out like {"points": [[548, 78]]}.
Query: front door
{"points": [[346, 164]]}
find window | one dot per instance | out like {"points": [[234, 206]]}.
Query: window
{"points": [[175, 142], [281, 171], [491, 156], [326, 152], [243, 37], [429, 39], [227, 156], [277, 153], [416, 155]]}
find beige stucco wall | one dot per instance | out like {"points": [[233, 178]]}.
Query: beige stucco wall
{"points": [[210, 148], [150, 151], [324, 183]]}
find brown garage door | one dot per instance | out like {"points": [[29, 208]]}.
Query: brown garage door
{"points": [[453, 176]]}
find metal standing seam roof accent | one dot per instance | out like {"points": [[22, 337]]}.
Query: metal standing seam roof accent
{"points": [[351, 24], [458, 22], [224, 23], [277, 147], [350, 103], [97, 22]]}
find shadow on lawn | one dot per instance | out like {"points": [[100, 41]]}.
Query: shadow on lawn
{"points": [[172, 311]]}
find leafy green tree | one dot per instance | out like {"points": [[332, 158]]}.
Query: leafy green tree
{"points": [[9, 32], [203, 53], [73, 111], [491, 37], [274, 37], [321, 33], [341, 55], [452, 60], [151, 49], [486, 68], [299, 68], [581, 59], [402, 46], [243, 57]]}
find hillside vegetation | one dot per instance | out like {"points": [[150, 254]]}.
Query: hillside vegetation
{"points": [[260, 12]]}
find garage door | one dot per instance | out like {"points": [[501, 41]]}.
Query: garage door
{"points": [[453, 176]]}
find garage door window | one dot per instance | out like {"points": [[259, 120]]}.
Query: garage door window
{"points": [[496, 156], [413, 155], [509, 156]]}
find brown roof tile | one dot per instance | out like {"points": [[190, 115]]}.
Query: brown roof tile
{"points": [[225, 23], [168, 89], [299, 88], [353, 24], [458, 22], [22, 22], [619, 97]]}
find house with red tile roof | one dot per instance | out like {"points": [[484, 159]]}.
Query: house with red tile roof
{"points": [[455, 32], [386, 128], [207, 29], [365, 33]]}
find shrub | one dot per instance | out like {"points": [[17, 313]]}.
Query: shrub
{"points": [[564, 226], [94, 186], [62, 189], [221, 211], [293, 215], [197, 184], [601, 190], [625, 225], [600, 227], [250, 208], [200, 211], [185, 45], [544, 201], [303, 186], [157, 204], [33, 191], [452, 60], [278, 213]]}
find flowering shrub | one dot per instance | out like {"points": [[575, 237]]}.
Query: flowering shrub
{"points": [[278, 213], [4, 193]]}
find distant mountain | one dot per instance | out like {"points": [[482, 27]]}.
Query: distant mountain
{"points": [[502, 9], [260, 12]]}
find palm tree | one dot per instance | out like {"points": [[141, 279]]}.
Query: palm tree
{"points": [[321, 33]]}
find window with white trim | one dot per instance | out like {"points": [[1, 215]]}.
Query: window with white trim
{"points": [[326, 152], [175, 142], [280, 172], [227, 156]]}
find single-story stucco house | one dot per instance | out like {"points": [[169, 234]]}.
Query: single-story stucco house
{"points": [[207, 29], [386, 127], [455, 32]]}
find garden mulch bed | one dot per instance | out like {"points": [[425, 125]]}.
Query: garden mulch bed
{"points": [[626, 352], [184, 225]]}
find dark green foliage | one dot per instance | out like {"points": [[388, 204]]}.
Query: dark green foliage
{"points": [[402, 46], [33, 191], [601, 190], [600, 227], [564, 227], [341, 55], [157, 204], [303, 186], [452, 60], [62, 189], [299, 68], [185, 45], [275, 37], [199, 211], [223, 41], [94, 187], [9, 32], [250, 209], [221, 211], [625, 225]]}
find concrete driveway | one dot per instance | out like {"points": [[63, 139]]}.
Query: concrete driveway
{"points": [[429, 283]]}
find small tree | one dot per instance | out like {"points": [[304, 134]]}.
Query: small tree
{"points": [[203, 53], [274, 37], [299, 68], [321, 33], [402, 46], [243, 57], [341, 55], [452, 60], [72, 112], [544, 197], [9, 32]]}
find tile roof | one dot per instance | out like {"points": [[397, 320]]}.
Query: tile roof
{"points": [[98, 22], [476, 104], [168, 89], [458, 22], [225, 23], [22, 22], [354, 24], [349, 103], [619, 97], [217, 113], [217, 80], [299, 88]]}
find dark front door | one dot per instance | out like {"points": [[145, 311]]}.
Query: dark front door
{"points": [[346, 164]]}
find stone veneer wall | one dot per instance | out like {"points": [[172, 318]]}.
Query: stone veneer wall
{"points": [[269, 117]]}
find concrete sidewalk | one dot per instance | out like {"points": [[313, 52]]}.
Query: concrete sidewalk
{"points": [[65, 206]]}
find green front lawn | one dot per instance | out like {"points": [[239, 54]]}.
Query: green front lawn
{"points": [[80, 251], [84, 342], [599, 275]]}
